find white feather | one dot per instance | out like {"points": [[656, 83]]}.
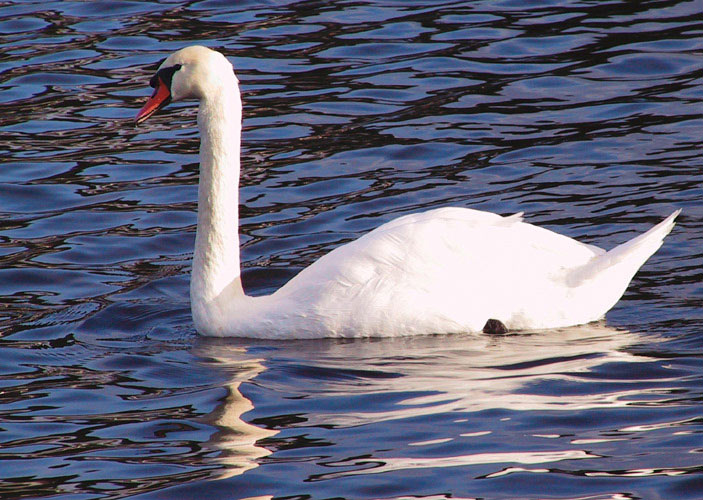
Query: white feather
{"points": [[441, 271]]}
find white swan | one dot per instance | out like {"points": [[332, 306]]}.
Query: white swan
{"points": [[441, 271]]}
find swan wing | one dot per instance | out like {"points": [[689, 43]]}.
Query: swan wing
{"points": [[447, 269]]}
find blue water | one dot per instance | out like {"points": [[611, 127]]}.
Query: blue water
{"points": [[585, 115]]}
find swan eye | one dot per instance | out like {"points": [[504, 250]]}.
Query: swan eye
{"points": [[165, 75]]}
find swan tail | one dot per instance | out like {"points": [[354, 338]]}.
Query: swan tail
{"points": [[645, 244], [622, 262]]}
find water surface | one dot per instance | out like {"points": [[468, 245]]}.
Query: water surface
{"points": [[584, 115]]}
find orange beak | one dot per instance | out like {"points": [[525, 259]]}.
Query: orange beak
{"points": [[160, 98]]}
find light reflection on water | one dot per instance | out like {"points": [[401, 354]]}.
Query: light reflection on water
{"points": [[420, 403], [585, 115], [237, 438]]}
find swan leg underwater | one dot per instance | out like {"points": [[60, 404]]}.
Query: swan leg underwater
{"points": [[445, 270]]}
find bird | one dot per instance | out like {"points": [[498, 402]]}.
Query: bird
{"points": [[442, 271]]}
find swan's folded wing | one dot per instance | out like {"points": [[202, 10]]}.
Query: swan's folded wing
{"points": [[451, 267]]}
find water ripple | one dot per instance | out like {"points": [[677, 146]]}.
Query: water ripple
{"points": [[584, 115]]}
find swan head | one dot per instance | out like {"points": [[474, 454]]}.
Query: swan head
{"points": [[191, 73]]}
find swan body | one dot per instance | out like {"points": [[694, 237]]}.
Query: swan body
{"points": [[441, 271]]}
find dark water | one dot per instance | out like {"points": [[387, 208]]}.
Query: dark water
{"points": [[585, 115]]}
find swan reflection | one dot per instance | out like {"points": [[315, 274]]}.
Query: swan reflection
{"points": [[340, 384], [468, 373], [237, 438]]}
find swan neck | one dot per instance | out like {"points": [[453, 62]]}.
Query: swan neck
{"points": [[216, 269]]}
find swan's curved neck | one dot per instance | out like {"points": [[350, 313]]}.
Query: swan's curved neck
{"points": [[215, 277]]}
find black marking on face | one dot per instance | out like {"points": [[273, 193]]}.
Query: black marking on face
{"points": [[165, 75]]}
